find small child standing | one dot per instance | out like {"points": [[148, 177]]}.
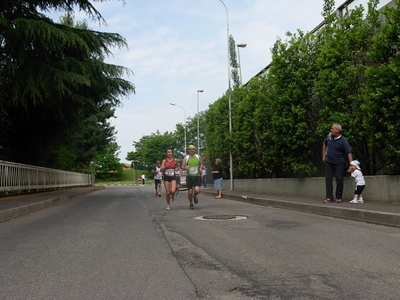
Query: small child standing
{"points": [[355, 172]]}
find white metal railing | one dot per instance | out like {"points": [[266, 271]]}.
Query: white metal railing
{"points": [[21, 177]]}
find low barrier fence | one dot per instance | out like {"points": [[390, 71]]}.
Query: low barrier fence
{"points": [[384, 188], [15, 177]]}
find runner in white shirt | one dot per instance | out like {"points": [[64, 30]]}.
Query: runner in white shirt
{"points": [[157, 178]]}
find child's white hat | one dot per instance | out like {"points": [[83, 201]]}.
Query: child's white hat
{"points": [[356, 163]]}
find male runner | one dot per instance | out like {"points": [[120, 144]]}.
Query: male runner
{"points": [[193, 164]]}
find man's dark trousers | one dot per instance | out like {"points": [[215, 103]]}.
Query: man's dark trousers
{"points": [[334, 170]]}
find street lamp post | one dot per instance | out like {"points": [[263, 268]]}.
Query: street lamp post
{"points": [[184, 120], [240, 66], [198, 122], [229, 99]]}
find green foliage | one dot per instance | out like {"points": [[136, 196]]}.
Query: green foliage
{"points": [[233, 62], [126, 176], [115, 177], [328, 12], [179, 137], [107, 160], [151, 148], [93, 133], [246, 142], [346, 72], [382, 93], [55, 87], [217, 131], [291, 116], [342, 62]]}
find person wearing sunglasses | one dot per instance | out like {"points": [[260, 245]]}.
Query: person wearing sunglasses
{"points": [[193, 164]]}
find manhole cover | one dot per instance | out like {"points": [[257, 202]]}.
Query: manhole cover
{"points": [[221, 218]]}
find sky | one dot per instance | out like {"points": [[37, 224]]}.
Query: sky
{"points": [[178, 47]]}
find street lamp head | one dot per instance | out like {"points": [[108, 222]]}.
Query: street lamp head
{"points": [[241, 45], [200, 91], [172, 103]]}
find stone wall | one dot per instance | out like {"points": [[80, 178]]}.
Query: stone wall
{"points": [[378, 188]]}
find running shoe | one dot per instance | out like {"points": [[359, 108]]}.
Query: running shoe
{"points": [[195, 200], [159, 194], [191, 205], [168, 208]]}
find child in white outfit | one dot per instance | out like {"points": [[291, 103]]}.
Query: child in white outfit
{"points": [[355, 171]]}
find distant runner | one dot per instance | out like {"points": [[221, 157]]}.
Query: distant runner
{"points": [[157, 178], [178, 183]]}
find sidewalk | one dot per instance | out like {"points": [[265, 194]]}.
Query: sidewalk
{"points": [[382, 213], [15, 206]]}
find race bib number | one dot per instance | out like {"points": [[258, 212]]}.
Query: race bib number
{"points": [[193, 171], [169, 172]]}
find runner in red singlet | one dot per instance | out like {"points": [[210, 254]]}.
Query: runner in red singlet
{"points": [[168, 166]]}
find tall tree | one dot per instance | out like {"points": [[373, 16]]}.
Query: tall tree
{"points": [[151, 148], [107, 160], [51, 74], [234, 63]]}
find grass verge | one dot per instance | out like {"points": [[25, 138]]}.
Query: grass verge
{"points": [[124, 177]]}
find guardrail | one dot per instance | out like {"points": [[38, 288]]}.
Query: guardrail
{"points": [[20, 177]]}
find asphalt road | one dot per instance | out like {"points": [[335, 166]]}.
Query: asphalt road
{"points": [[121, 243]]}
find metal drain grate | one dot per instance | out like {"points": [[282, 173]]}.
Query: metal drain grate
{"points": [[219, 217], [222, 218]]}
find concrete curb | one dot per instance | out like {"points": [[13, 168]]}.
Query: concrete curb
{"points": [[12, 213], [361, 215]]}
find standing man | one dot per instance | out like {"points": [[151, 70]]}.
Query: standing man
{"points": [[193, 164], [157, 178], [335, 149], [217, 175]]}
